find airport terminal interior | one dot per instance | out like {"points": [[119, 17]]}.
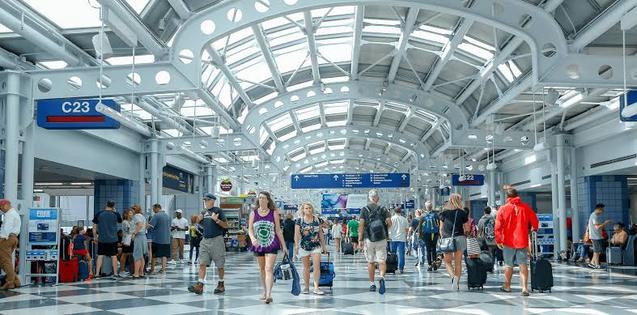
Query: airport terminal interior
{"points": [[318, 157]]}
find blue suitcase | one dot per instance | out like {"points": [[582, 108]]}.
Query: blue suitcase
{"points": [[83, 270], [327, 273]]}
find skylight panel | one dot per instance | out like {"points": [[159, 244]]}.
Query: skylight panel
{"points": [[4, 29], [172, 132], [220, 160], [137, 5], [311, 128], [506, 72], [305, 170], [300, 86], [336, 53], [242, 51], [336, 123], [434, 29], [335, 108], [263, 135], [290, 61], [271, 148], [317, 150], [196, 111], [479, 43], [57, 64], [382, 29], [128, 60], [231, 39], [321, 164], [272, 23], [429, 36], [81, 15], [244, 115], [256, 71], [285, 37], [280, 122], [337, 161], [287, 136], [308, 113], [476, 51], [336, 144], [514, 68]]}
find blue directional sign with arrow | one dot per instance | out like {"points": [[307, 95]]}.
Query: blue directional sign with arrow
{"points": [[362, 180]]}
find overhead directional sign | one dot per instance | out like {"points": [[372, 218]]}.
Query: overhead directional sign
{"points": [[75, 113], [363, 180], [467, 180]]}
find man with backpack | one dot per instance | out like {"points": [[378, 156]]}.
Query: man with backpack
{"points": [[372, 236], [429, 232], [486, 232]]}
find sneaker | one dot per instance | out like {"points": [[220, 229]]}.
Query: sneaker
{"points": [[430, 268], [401, 271], [590, 266], [416, 264], [306, 291], [172, 262], [196, 288], [220, 288], [318, 292], [381, 284], [372, 288]]}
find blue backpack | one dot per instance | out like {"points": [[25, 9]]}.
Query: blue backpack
{"points": [[429, 224]]}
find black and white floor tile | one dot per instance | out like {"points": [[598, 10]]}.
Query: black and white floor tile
{"points": [[577, 291]]}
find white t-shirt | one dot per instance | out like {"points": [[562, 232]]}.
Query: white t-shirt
{"points": [[180, 224], [337, 231], [398, 229]]}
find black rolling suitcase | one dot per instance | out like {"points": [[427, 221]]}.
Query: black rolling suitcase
{"points": [[391, 263], [347, 248], [541, 270], [476, 273]]}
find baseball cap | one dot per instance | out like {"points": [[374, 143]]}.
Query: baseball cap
{"points": [[209, 196], [179, 211], [4, 202]]}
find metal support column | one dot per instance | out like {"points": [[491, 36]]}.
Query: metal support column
{"points": [[554, 206], [503, 195], [574, 196], [142, 182], [155, 187], [210, 183], [28, 160], [561, 195], [491, 188], [12, 135]]}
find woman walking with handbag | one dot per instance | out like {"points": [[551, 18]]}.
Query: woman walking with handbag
{"points": [[453, 241]]}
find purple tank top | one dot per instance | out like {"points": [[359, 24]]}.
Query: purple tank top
{"points": [[265, 233]]}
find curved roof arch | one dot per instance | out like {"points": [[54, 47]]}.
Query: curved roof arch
{"points": [[409, 144], [369, 156]]}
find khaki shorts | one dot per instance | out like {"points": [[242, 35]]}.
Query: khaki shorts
{"points": [[376, 251], [212, 250]]}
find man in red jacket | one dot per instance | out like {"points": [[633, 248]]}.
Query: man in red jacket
{"points": [[512, 236]]}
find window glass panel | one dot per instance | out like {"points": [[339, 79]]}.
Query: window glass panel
{"points": [[263, 135], [514, 68], [128, 60], [257, 71], [476, 51], [311, 128], [172, 132], [335, 79], [290, 61], [137, 5], [280, 122], [308, 113], [335, 108], [336, 123], [81, 15], [271, 148], [58, 64], [266, 98], [4, 29], [300, 86], [429, 36], [506, 72], [287, 136], [335, 53]]}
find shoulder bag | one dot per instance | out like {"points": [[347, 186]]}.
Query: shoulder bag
{"points": [[448, 244]]}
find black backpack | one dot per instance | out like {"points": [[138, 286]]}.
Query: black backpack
{"points": [[376, 230]]}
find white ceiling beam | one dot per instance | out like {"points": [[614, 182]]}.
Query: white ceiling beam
{"points": [[368, 143], [311, 45], [350, 112], [410, 22], [259, 35], [485, 73], [388, 148], [431, 131], [132, 20], [358, 36], [296, 124], [214, 104], [405, 121], [220, 63], [448, 52], [602, 23], [9, 60], [180, 8]]}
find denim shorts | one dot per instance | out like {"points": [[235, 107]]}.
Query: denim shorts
{"points": [[515, 256]]}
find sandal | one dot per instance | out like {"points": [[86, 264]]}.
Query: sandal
{"points": [[306, 291], [525, 293], [268, 300], [502, 289], [318, 292]]}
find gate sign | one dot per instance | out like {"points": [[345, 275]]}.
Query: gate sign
{"points": [[364, 180], [631, 99], [467, 180], [75, 113]]}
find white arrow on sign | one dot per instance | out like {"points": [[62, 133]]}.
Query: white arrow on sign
{"points": [[335, 177], [296, 177], [404, 177]]}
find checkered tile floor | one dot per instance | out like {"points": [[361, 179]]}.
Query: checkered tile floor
{"points": [[577, 291]]}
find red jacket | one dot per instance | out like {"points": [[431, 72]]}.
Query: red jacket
{"points": [[512, 224]]}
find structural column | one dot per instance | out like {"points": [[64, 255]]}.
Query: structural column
{"points": [[561, 191], [503, 196], [210, 178], [491, 188], [155, 174], [141, 177], [575, 214], [555, 205], [12, 134]]}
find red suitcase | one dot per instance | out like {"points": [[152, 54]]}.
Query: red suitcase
{"points": [[69, 271]]}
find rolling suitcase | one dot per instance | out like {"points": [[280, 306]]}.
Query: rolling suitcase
{"points": [[614, 255], [68, 271], [391, 263], [327, 273], [487, 260], [476, 273], [541, 270], [83, 270], [348, 248]]}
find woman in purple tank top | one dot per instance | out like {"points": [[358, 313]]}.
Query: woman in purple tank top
{"points": [[264, 229]]}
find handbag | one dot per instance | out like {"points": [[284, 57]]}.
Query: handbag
{"points": [[448, 244], [473, 247]]}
